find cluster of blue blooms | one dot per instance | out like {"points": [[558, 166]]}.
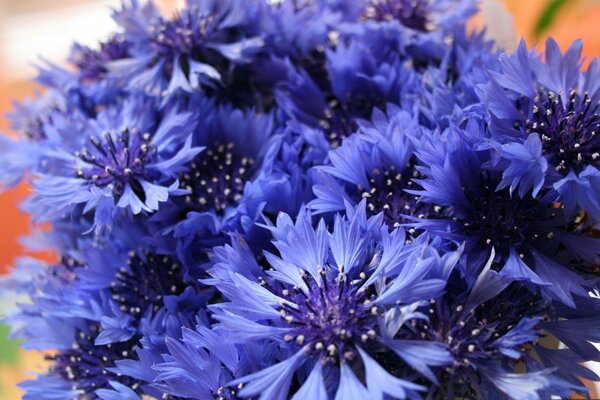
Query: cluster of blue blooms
{"points": [[310, 199]]}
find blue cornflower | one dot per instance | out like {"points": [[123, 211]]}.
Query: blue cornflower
{"points": [[192, 49], [475, 208], [412, 14], [330, 301], [420, 15], [243, 172], [493, 326], [127, 159], [361, 76], [376, 164], [179, 315], [297, 30], [544, 123], [61, 317], [369, 64], [99, 318], [31, 120], [92, 63], [445, 91]]}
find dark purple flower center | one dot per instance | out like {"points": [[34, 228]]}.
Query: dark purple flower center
{"points": [[413, 14], [498, 219], [65, 269], [86, 365], [216, 178], [92, 63], [470, 334], [330, 319], [569, 128], [337, 123], [387, 194], [339, 120], [116, 161], [144, 282], [187, 32], [175, 37]]}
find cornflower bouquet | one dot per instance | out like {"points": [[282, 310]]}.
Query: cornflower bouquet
{"points": [[317, 199]]}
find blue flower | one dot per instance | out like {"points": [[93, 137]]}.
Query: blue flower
{"points": [[420, 15], [361, 76], [201, 364], [445, 90], [376, 164], [61, 317], [92, 64], [544, 121], [412, 14], [242, 173], [93, 311], [193, 49], [491, 325], [328, 300], [127, 159], [297, 30], [477, 207]]}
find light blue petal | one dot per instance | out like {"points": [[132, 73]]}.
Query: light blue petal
{"points": [[350, 388]]}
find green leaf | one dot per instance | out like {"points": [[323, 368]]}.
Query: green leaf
{"points": [[8, 348], [548, 15]]}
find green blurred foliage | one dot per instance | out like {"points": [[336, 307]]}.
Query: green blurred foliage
{"points": [[548, 15], [8, 348]]}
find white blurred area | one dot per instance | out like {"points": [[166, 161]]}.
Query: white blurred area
{"points": [[30, 29]]}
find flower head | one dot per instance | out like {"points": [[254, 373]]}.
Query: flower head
{"points": [[328, 301], [544, 125], [60, 316], [420, 15], [102, 311], [493, 326], [376, 164], [241, 173], [192, 49], [126, 159], [478, 209], [92, 63], [412, 14]]}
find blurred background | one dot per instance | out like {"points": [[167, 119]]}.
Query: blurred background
{"points": [[29, 28]]}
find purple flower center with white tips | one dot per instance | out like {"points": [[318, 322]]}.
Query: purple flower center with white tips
{"points": [[339, 120], [86, 364], [569, 127], [183, 34], [411, 13], [117, 160], [387, 193], [330, 319], [216, 178], [144, 282]]}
